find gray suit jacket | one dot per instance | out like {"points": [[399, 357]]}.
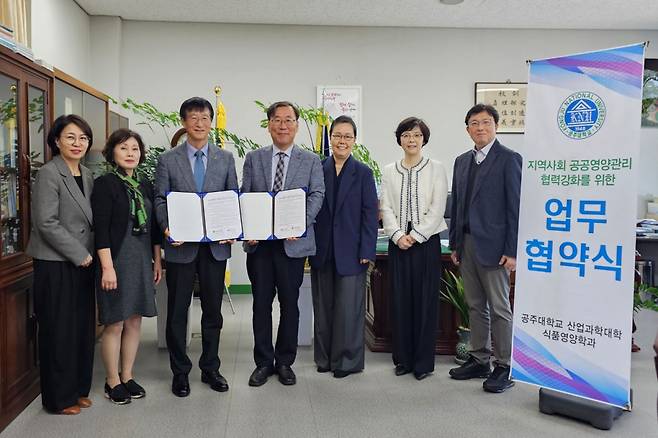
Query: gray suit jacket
{"points": [[61, 214], [174, 174], [304, 171]]}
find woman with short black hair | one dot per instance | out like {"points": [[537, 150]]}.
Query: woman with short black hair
{"points": [[345, 240], [413, 200], [61, 244], [128, 245]]}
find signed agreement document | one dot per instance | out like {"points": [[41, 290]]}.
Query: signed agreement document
{"points": [[271, 216], [289, 213], [204, 217]]}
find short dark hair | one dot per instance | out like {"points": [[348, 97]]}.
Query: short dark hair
{"points": [[62, 122], [195, 104], [410, 123], [272, 108], [342, 119], [481, 108], [118, 137]]}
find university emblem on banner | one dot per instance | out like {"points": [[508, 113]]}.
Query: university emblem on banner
{"points": [[581, 115]]}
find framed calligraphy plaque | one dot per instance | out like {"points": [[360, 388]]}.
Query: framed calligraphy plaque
{"points": [[509, 99]]}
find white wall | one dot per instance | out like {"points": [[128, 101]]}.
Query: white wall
{"points": [[60, 36], [105, 62], [425, 72]]}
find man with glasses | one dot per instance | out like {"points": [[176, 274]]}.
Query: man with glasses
{"points": [[486, 185], [194, 166], [276, 267]]}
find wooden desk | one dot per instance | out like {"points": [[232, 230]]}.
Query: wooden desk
{"points": [[378, 314]]}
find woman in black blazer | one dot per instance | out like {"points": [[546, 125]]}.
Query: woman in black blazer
{"points": [[61, 244], [128, 245], [346, 238]]}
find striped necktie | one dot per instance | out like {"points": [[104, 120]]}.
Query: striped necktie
{"points": [[278, 174]]}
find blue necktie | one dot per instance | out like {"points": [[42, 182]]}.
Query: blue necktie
{"points": [[199, 170]]}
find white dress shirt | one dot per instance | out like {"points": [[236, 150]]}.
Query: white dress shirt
{"points": [[481, 154]]}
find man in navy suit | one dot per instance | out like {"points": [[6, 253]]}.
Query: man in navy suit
{"points": [[486, 185], [194, 166]]}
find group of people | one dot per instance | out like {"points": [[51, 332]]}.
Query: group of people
{"points": [[106, 236]]}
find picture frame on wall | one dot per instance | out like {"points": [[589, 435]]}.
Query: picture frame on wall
{"points": [[509, 99], [339, 100]]}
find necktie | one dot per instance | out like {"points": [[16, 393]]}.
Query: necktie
{"points": [[278, 174], [199, 170]]}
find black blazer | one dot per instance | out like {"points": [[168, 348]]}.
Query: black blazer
{"points": [[109, 202], [354, 232]]}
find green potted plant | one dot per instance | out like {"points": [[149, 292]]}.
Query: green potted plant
{"points": [[153, 117], [645, 297], [453, 293]]}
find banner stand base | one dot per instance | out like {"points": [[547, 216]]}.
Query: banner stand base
{"points": [[597, 414]]}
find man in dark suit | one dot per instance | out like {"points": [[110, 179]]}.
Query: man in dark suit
{"points": [[486, 185], [195, 166], [276, 267]]}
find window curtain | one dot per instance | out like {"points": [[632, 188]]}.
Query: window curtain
{"points": [[13, 15]]}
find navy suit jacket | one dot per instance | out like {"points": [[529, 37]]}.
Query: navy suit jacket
{"points": [[494, 210], [354, 233]]}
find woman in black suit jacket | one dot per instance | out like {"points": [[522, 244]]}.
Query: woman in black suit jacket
{"points": [[61, 244], [128, 245], [346, 238]]}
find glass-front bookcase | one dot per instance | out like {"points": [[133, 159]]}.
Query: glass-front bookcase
{"points": [[25, 117]]}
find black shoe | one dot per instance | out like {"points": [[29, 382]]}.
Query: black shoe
{"points": [[400, 370], [134, 389], [499, 380], [339, 374], [323, 369], [421, 376], [260, 375], [470, 369], [286, 375], [216, 381], [118, 395], [180, 386]]}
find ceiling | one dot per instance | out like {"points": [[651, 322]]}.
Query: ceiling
{"points": [[507, 14]]}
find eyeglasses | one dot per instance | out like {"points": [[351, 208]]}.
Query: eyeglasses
{"points": [[195, 119], [71, 139], [287, 122], [484, 123], [338, 137], [409, 136]]}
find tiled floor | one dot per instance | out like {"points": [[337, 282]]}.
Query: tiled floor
{"points": [[374, 403]]}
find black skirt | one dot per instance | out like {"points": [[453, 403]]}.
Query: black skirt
{"points": [[64, 305]]}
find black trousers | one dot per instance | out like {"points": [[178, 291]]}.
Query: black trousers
{"points": [[415, 282], [64, 305], [271, 273], [180, 281]]}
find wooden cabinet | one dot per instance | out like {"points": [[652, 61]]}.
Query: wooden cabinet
{"points": [[72, 96], [24, 121], [378, 312]]}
